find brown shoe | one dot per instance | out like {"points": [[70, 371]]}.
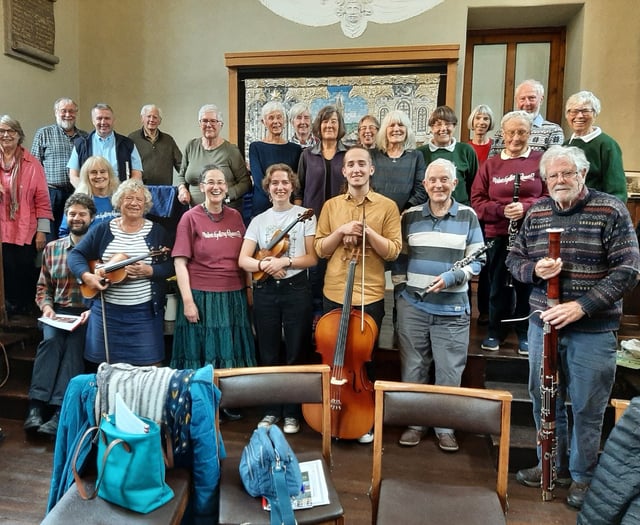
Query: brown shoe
{"points": [[447, 442], [411, 437]]}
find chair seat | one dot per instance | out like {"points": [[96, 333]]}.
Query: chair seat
{"points": [[430, 503], [236, 506], [73, 510]]}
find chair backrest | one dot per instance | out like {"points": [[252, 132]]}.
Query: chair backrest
{"points": [[471, 410], [620, 406], [252, 386]]}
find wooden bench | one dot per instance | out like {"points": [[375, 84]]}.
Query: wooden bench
{"points": [[73, 510]]}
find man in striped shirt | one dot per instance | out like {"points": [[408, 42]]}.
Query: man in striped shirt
{"points": [[433, 309]]}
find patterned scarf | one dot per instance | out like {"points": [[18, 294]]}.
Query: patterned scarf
{"points": [[13, 184]]}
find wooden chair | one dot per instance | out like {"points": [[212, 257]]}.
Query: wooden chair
{"points": [[466, 409], [620, 405], [250, 387]]}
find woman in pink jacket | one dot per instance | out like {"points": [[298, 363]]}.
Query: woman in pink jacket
{"points": [[25, 212]]}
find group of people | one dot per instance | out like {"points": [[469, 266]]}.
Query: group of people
{"points": [[252, 287]]}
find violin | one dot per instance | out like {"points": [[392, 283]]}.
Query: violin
{"points": [[279, 244], [114, 271], [345, 339]]}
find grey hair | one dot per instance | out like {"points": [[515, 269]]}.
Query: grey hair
{"points": [[272, 107], [64, 100], [537, 85], [14, 125], [395, 116], [481, 109], [569, 153], [445, 163], [584, 97], [210, 108], [148, 107], [131, 186], [101, 105], [517, 115], [298, 109]]}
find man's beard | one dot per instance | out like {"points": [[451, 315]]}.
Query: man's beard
{"points": [[79, 230]]}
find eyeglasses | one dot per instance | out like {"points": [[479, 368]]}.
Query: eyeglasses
{"points": [[576, 111], [566, 175], [517, 132], [9, 132], [215, 182], [213, 122], [367, 128]]}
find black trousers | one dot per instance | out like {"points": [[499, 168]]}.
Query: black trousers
{"points": [[283, 307]]}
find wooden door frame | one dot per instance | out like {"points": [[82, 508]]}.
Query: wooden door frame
{"points": [[556, 36], [319, 58]]}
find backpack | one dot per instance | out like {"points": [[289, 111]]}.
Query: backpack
{"points": [[269, 468]]}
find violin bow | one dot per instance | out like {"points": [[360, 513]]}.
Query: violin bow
{"points": [[364, 240]]}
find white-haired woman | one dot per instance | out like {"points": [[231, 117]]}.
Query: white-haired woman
{"points": [[399, 167], [274, 149], [211, 148], [132, 304], [602, 151]]}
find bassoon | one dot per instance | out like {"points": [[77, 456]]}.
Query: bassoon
{"points": [[549, 379]]}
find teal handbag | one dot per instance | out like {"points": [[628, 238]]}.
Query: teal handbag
{"points": [[131, 467]]}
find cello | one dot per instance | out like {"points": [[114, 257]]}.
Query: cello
{"points": [[345, 338]]}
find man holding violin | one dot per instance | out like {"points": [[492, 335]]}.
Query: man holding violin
{"points": [[59, 356], [363, 226], [443, 241]]}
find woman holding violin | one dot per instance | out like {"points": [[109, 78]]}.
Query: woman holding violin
{"points": [[278, 248], [212, 323], [128, 282], [361, 228]]}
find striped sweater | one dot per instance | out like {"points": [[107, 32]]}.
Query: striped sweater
{"points": [[433, 245], [599, 252]]}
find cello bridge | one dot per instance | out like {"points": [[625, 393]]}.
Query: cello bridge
{"points": [[339, 382]]}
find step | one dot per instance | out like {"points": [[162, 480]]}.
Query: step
{"points": [[14, 400]]}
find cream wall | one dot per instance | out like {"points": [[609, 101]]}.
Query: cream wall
{"points": [[129, 53], [28, 92]]}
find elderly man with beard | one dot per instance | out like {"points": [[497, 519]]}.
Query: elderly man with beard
{"points": [[599, 261], [59, 356], [52, 146]]}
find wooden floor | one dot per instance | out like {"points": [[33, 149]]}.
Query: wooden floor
{"points": [[25, 467]]}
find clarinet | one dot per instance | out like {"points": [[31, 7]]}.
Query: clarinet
{"points": [[549, 379], [456, 266], [513, 224]]}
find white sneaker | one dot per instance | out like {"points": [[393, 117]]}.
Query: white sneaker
{"points": [[267, 421], [291, 425], [366, 438]]}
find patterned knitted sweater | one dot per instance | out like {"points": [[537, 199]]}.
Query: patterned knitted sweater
{"points": [[599, 252]]}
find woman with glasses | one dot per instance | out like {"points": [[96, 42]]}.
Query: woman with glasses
{"points": [[211, 148], [128, 299], [504, 189], [368, 127], [212, 322], [25, 215], [602, 151], [274, 149]]}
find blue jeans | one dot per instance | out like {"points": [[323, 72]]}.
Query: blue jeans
{"points": [[587, 367], [425, 338]]}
